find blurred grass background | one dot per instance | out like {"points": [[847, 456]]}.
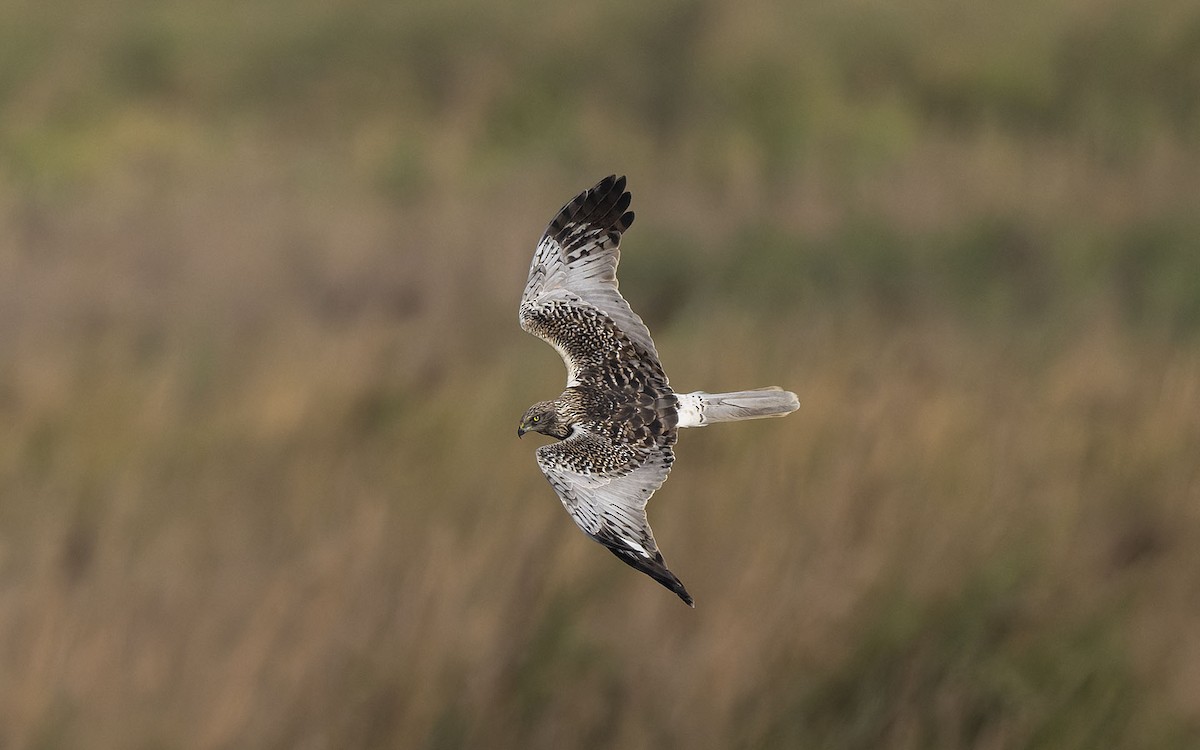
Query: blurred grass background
{"points": [[260, 371]]}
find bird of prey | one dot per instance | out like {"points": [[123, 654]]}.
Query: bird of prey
{"points": [[618, 418]]}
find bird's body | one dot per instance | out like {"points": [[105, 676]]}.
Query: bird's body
{"points": [[618, 417]]}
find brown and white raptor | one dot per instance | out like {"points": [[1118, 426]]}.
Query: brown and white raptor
{"points": [[618, 418]]}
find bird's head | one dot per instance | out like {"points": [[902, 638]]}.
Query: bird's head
{"points": [[543, 417]]}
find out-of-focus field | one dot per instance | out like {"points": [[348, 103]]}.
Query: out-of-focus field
{"points": [[260, 373]]}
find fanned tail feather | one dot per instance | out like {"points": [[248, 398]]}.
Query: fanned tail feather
{"points": [[700, 408]]}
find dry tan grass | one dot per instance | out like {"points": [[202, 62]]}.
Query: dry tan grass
{"points": [[243, 510], [259, 374]]}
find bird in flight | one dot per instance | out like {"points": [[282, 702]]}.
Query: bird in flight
{"points": [[618, 418]]}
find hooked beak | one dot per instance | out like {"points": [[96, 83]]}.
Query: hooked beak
{"points": [[521, 430]]}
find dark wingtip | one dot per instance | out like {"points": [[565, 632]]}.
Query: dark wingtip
{"points": [[602, 206], [672, 582], [656, 568]]}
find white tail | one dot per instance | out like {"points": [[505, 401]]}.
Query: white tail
{"points": [[700, 408]]}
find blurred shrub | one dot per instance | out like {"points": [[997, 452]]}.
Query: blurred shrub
{"points": [[989, 665], [998, 270]]}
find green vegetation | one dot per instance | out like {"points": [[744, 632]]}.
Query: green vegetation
{"points": [[260, 371]]}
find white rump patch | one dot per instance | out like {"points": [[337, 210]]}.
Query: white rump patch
{"points": [[691, 409]]}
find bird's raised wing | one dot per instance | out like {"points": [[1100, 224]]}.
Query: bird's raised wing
{"points": [[605, 486], [574, 275]]}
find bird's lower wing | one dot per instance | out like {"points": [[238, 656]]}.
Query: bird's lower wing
{"points": [[604, 488]]}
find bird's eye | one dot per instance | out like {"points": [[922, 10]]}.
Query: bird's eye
{"points": [[536, 419]]}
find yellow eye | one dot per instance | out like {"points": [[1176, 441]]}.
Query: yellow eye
{"points": [[536, 419]]}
